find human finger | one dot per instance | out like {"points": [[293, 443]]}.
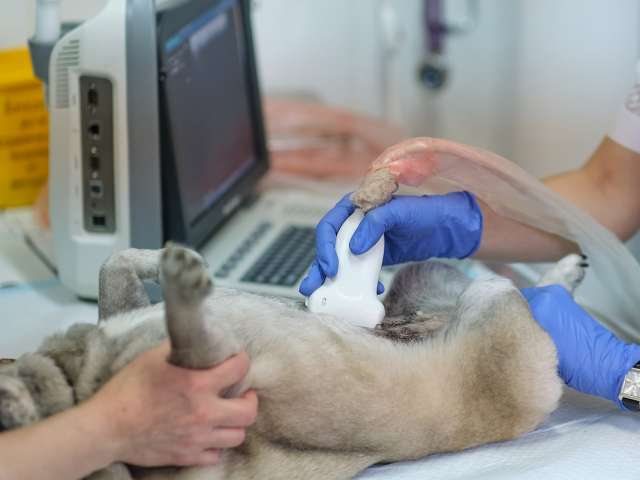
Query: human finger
{"points": [[194, 458], [314, 280], [210, 456], [372, 227], [226, 437], [326, 233], [230, 372], [237, 412]]}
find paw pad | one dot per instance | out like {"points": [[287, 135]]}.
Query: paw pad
{"points": [[184, 272]]}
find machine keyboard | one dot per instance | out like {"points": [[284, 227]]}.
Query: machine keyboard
{"points": [[243, 249], [287, 258]]}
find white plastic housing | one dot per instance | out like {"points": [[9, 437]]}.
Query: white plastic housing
{"points": [[79, 254], [119, 45], [352, 294]]}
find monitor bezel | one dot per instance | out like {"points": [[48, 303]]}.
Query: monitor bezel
{"points": [[176, 225]]}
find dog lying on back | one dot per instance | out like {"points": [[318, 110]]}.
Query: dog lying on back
{"points": [[441, 373]]}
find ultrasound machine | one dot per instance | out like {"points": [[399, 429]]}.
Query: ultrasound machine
{"points": [[214, 145], [157, 134]]}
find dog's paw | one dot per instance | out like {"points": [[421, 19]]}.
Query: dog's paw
{"points": [[184, 272], [568, 272]]}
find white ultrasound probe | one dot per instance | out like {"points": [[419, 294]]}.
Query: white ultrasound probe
{"points": [[351, 294]]}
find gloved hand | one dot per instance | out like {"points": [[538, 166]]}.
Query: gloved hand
{"points": [[591, 359], [415, 228]]}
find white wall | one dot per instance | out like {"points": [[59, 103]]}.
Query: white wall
{"points": [[327, 49], [15, 23], [575, 65], [333, 49], [536, 80], [17, 20], [475, 105]]}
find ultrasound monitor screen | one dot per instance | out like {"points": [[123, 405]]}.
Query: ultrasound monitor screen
{"points": [[208, 105]]}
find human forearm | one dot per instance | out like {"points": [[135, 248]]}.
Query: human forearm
{"points": [[150, 413], [605, 187], [43, 450], [418, 228], [506, 240]]}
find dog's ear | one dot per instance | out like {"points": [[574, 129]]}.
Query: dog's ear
{"points": [[32, 388], [69, 350], [17, 407], [47, 384]]}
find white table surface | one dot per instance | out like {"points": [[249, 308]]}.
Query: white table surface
{"points": [[33, 303]]}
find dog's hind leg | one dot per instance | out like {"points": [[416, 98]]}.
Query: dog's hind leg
{"points": [[568, 272], [197, 340], [121, 281], [507, 364]]}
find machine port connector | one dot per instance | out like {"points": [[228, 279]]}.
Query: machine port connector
{"points": [[96, 190], [94, 131], [99, 221], [93, 97], [94, 161]]}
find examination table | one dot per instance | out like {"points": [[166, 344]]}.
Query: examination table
{"points": [[585, 437]]}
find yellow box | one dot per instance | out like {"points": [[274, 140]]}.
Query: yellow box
{"points": [[24, 130]]}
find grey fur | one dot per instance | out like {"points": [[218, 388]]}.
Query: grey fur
{"points": [[334, 398], [417, 305], [195, 341], [121, 283]]}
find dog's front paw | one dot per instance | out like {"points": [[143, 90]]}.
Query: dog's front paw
{"points": [[568, 272], [183, 272]]}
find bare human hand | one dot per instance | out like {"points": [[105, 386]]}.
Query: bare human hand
{"points": [[157, 414]]}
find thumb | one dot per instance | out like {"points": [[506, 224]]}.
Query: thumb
{"points": [[230, 372]]}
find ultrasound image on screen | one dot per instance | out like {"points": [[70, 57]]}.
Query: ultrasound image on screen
{"points": [[209, 113]]}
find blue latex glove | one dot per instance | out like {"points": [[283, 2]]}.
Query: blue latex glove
{"points": [[415, 228], [591, 359]]}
